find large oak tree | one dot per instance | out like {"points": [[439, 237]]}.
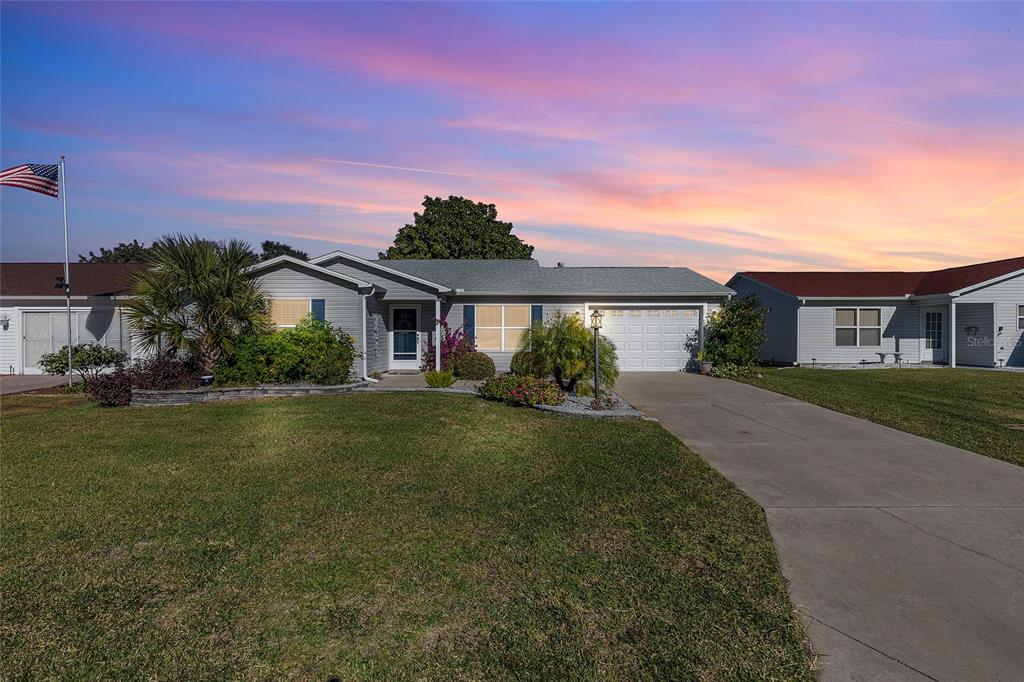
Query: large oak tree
{"points": [[457, 227]]}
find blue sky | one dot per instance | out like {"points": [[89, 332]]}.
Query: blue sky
{"points": [[720, 136]]}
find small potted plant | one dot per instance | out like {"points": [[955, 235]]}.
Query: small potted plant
{"points": [[705, 364]]}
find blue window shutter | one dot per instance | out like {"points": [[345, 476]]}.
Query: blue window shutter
{"points": [[319, 306], [469, 322], [536, 314]]}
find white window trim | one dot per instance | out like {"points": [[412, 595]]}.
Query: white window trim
{"points": [[857, 326], [309, 308], [501, 329], [1020, 317]]}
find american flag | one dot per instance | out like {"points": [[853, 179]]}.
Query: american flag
{"points": [[37, 177]]}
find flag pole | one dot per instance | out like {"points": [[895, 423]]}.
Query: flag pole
{"points": [[67, 268]]}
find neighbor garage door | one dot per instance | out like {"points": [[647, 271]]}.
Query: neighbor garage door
{"points": [[651, 339]]}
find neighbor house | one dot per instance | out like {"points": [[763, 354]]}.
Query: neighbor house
{"points": [[33, 312], [970, 315], [654, 315]]}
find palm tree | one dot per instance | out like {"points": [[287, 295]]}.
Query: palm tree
{"points": [[196, 296]]}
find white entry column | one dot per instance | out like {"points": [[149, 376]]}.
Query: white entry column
{"points": [[952, 333]]}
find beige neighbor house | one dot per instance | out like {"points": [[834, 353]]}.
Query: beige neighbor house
{"points": [[971, 315]]}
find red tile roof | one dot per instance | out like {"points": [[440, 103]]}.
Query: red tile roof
{"points": [[874, 284], [45, 279]]}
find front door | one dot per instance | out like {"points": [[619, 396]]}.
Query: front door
{"points": [[405, 338], [934, 339]]}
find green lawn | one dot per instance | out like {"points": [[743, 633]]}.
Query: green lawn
{"points": [[389, 536], [963, 407]]}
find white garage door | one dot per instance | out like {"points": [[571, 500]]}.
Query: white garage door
{"points": [[652, 339]]}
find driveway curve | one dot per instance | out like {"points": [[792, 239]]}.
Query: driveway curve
{"points": [[905, 557]]}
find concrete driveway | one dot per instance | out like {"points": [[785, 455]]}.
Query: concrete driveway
{"points": [[905, 557], [20, 383]]}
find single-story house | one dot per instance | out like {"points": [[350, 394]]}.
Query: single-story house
{"points": [[654, 315], [970, 315], [33, 312]]}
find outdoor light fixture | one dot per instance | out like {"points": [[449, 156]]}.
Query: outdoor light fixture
{"points": [[595, 323]]}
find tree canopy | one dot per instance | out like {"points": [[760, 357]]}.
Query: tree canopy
{"points": [[272, 249], [457, 227], [124, 252]]}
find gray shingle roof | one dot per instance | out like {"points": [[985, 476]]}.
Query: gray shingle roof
{"points": [[528, 277]]}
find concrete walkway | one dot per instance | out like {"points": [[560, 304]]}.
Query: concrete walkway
{"points": [[905, 557], [20, 383]]}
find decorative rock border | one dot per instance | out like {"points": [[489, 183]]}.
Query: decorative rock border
{"points": [[415, 389], [190, 396]]}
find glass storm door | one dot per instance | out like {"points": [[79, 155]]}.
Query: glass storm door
{"points": [[934, 335], [405, 347]]}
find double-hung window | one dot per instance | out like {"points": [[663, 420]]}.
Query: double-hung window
{"points": [[1020, 317], [858, 327], [501, 327]]}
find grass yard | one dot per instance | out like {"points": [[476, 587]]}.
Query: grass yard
{"points": [[390, 536], [963, 407]]}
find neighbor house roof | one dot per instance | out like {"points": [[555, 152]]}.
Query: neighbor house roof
{"points": [[45, 279], [886, 284], [527, 277]]}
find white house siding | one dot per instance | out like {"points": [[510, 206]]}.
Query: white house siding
{"points": [[900, 331], [1006, 296], [780, 327], [10, 336], [975, 349], [376, 335]]}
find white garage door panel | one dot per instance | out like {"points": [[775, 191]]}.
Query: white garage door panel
{"points": [[653, 338]]}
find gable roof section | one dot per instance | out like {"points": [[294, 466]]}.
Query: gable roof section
{"points": [[379, 267], [886, 284], [307, 265], [45, 279]]}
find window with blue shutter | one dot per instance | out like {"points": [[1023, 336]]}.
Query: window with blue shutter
{"points": [[469, 322], [318, 307], [536, 314]]}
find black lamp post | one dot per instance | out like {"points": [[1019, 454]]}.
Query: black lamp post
{"points": [[595, 323]]}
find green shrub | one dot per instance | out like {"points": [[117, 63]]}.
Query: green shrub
{"points": [[564, 347], [515, 389], [439, 378], [526, 363], [734, 334], [475, 365], [88, 360], [312, 352], [732, 371]]}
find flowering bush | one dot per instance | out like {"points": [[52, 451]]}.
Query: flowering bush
{"points": [[454, 344], [515, 389], [88, 360]]}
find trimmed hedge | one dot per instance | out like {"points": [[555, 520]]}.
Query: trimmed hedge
{"points": [[475, 365]]}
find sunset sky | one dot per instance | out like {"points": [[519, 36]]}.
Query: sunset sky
{"points": [[722, 137]]}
